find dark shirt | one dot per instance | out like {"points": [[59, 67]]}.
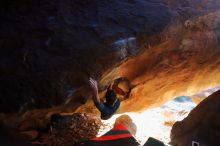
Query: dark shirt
{"points": [[106, 110]]}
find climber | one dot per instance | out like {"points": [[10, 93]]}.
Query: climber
{"points": [[111, 105]]}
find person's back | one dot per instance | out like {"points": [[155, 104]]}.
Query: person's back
{"points": [[111, 105]]}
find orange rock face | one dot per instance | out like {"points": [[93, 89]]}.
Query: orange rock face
{"points": [[182, 60], [185, 63], [202, 124], [165, 48]]}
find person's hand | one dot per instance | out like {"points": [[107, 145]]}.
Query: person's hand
{"points": [[93, 84], [110, 86]]}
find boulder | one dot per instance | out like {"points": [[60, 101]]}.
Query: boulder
{"points": [[202, 125]]}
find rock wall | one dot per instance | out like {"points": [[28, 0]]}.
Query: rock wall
{"points": [[201, 125], [186, 63], [50, 48], [183, 61]]}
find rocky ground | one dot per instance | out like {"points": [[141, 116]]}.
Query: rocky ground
{"points": [[62, 130], [68, 130]]}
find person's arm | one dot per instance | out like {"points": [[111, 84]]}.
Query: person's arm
{"points": [[93, 85], [100, 106]]}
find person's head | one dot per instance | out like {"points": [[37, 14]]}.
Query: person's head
{"points": [[122, 88], [110, 97], [127, 122]]}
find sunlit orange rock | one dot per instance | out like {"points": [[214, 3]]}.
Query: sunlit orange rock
{"points": [[184, 64]]}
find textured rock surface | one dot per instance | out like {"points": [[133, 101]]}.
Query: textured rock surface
{"points": [[201, 125], [62, 130], [67, 130], [166, 48], [49, 48], [184, 64]]}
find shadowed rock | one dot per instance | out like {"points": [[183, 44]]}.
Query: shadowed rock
{"points": [[201, 125], [50, 48]]}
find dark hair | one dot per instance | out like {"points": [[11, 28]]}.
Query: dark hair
{"points": [[110, 97]]}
